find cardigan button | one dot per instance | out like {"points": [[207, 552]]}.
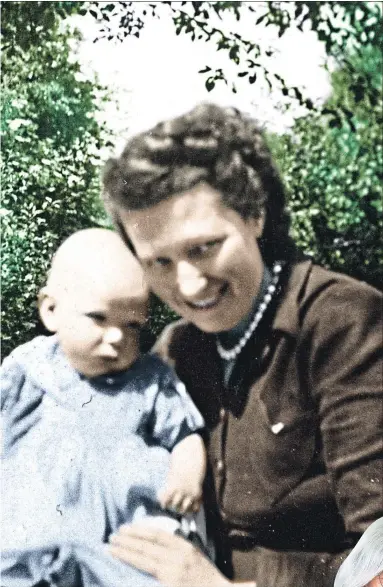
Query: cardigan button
{"points": [[222, 414], [265, 352], [220, 465]]}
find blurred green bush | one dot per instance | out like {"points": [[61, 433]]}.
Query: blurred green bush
{"points": [[51, 142]]}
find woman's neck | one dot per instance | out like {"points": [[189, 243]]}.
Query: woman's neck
{"points": [[230, 337]]}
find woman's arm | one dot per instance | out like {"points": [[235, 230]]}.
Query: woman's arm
{"points": [[172, 560], [344, 336]]}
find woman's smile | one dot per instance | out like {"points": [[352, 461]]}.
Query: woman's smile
{"points": [[208, 303]]}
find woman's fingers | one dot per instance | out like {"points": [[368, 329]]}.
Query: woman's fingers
{"points": [[140, 551], [172, 560], [143, 533], [146, 549], [135, 559]]}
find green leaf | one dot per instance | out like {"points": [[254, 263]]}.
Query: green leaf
{"points": [[205, 69]]}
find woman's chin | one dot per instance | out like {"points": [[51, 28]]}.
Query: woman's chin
{"points": [[214, 323]]}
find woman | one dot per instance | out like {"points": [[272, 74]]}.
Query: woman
{"points": [[279, 355], [364, 565]]}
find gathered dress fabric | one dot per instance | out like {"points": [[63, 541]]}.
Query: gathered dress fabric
{"points": [[295, 434], [81, 457]]}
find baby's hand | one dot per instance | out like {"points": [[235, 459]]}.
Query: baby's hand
{"points": [[183, 487], [182, 495]]}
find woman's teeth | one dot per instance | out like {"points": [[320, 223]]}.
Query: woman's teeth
{"points": [[205, 303], [210, 302]]}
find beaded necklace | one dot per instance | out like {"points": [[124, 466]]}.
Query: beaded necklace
{"points": [[230, 354]]}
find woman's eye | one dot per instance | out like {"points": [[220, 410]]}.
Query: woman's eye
{"points": [[133, 325], [162, 262], [204, 248]]}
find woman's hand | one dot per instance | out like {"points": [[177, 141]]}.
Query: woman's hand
{"points": [[172, 560]]}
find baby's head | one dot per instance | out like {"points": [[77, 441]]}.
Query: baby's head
{"points": [[96, 301]]}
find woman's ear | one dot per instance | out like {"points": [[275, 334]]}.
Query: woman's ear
{"points": [[47, 307]]}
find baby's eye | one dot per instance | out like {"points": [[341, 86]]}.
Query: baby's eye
{"points": [[96, 316], [204, 248]]}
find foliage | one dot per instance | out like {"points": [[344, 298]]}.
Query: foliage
{"points": [[50, 146], [334, 174], [27, 24], [341, 26]]}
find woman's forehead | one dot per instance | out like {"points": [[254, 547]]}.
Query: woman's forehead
{"points": [[188, 216], [173, 235]]}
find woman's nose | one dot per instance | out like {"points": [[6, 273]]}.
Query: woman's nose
{"points": [[113, 335], [190, 280]]}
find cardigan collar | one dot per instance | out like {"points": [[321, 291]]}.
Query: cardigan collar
{"points": [[287, 314]]}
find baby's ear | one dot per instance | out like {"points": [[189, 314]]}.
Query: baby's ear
{"points": [[47, 307]]}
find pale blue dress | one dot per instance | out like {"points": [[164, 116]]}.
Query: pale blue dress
{"points": [[82, 456]]}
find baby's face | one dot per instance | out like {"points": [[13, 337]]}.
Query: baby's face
{"points": [[98, 327]]}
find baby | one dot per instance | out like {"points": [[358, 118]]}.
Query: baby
{"points": [[95, 435]]}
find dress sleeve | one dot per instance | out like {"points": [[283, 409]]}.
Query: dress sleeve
{"points": [[12, 378], [19, 403], [174, 415], [343, 341]]}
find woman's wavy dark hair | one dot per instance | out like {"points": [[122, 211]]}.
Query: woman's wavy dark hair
{"points": [[219, 146]]}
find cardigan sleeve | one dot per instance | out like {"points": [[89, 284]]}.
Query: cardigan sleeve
{"points": [[343, 334]]}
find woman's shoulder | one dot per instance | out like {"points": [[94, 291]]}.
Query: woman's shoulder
{"points": [[316, 297], [309, 278], [309, 282], [329, 301]]}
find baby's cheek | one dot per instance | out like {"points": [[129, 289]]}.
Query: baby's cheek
{"points": [[377, 582]]}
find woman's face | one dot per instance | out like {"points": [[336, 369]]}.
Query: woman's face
{"points": [[199, 256]]}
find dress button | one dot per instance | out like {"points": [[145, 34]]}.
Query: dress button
{"points": [[220, 466], [110, 380], [266, 351], [46, 560]]}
